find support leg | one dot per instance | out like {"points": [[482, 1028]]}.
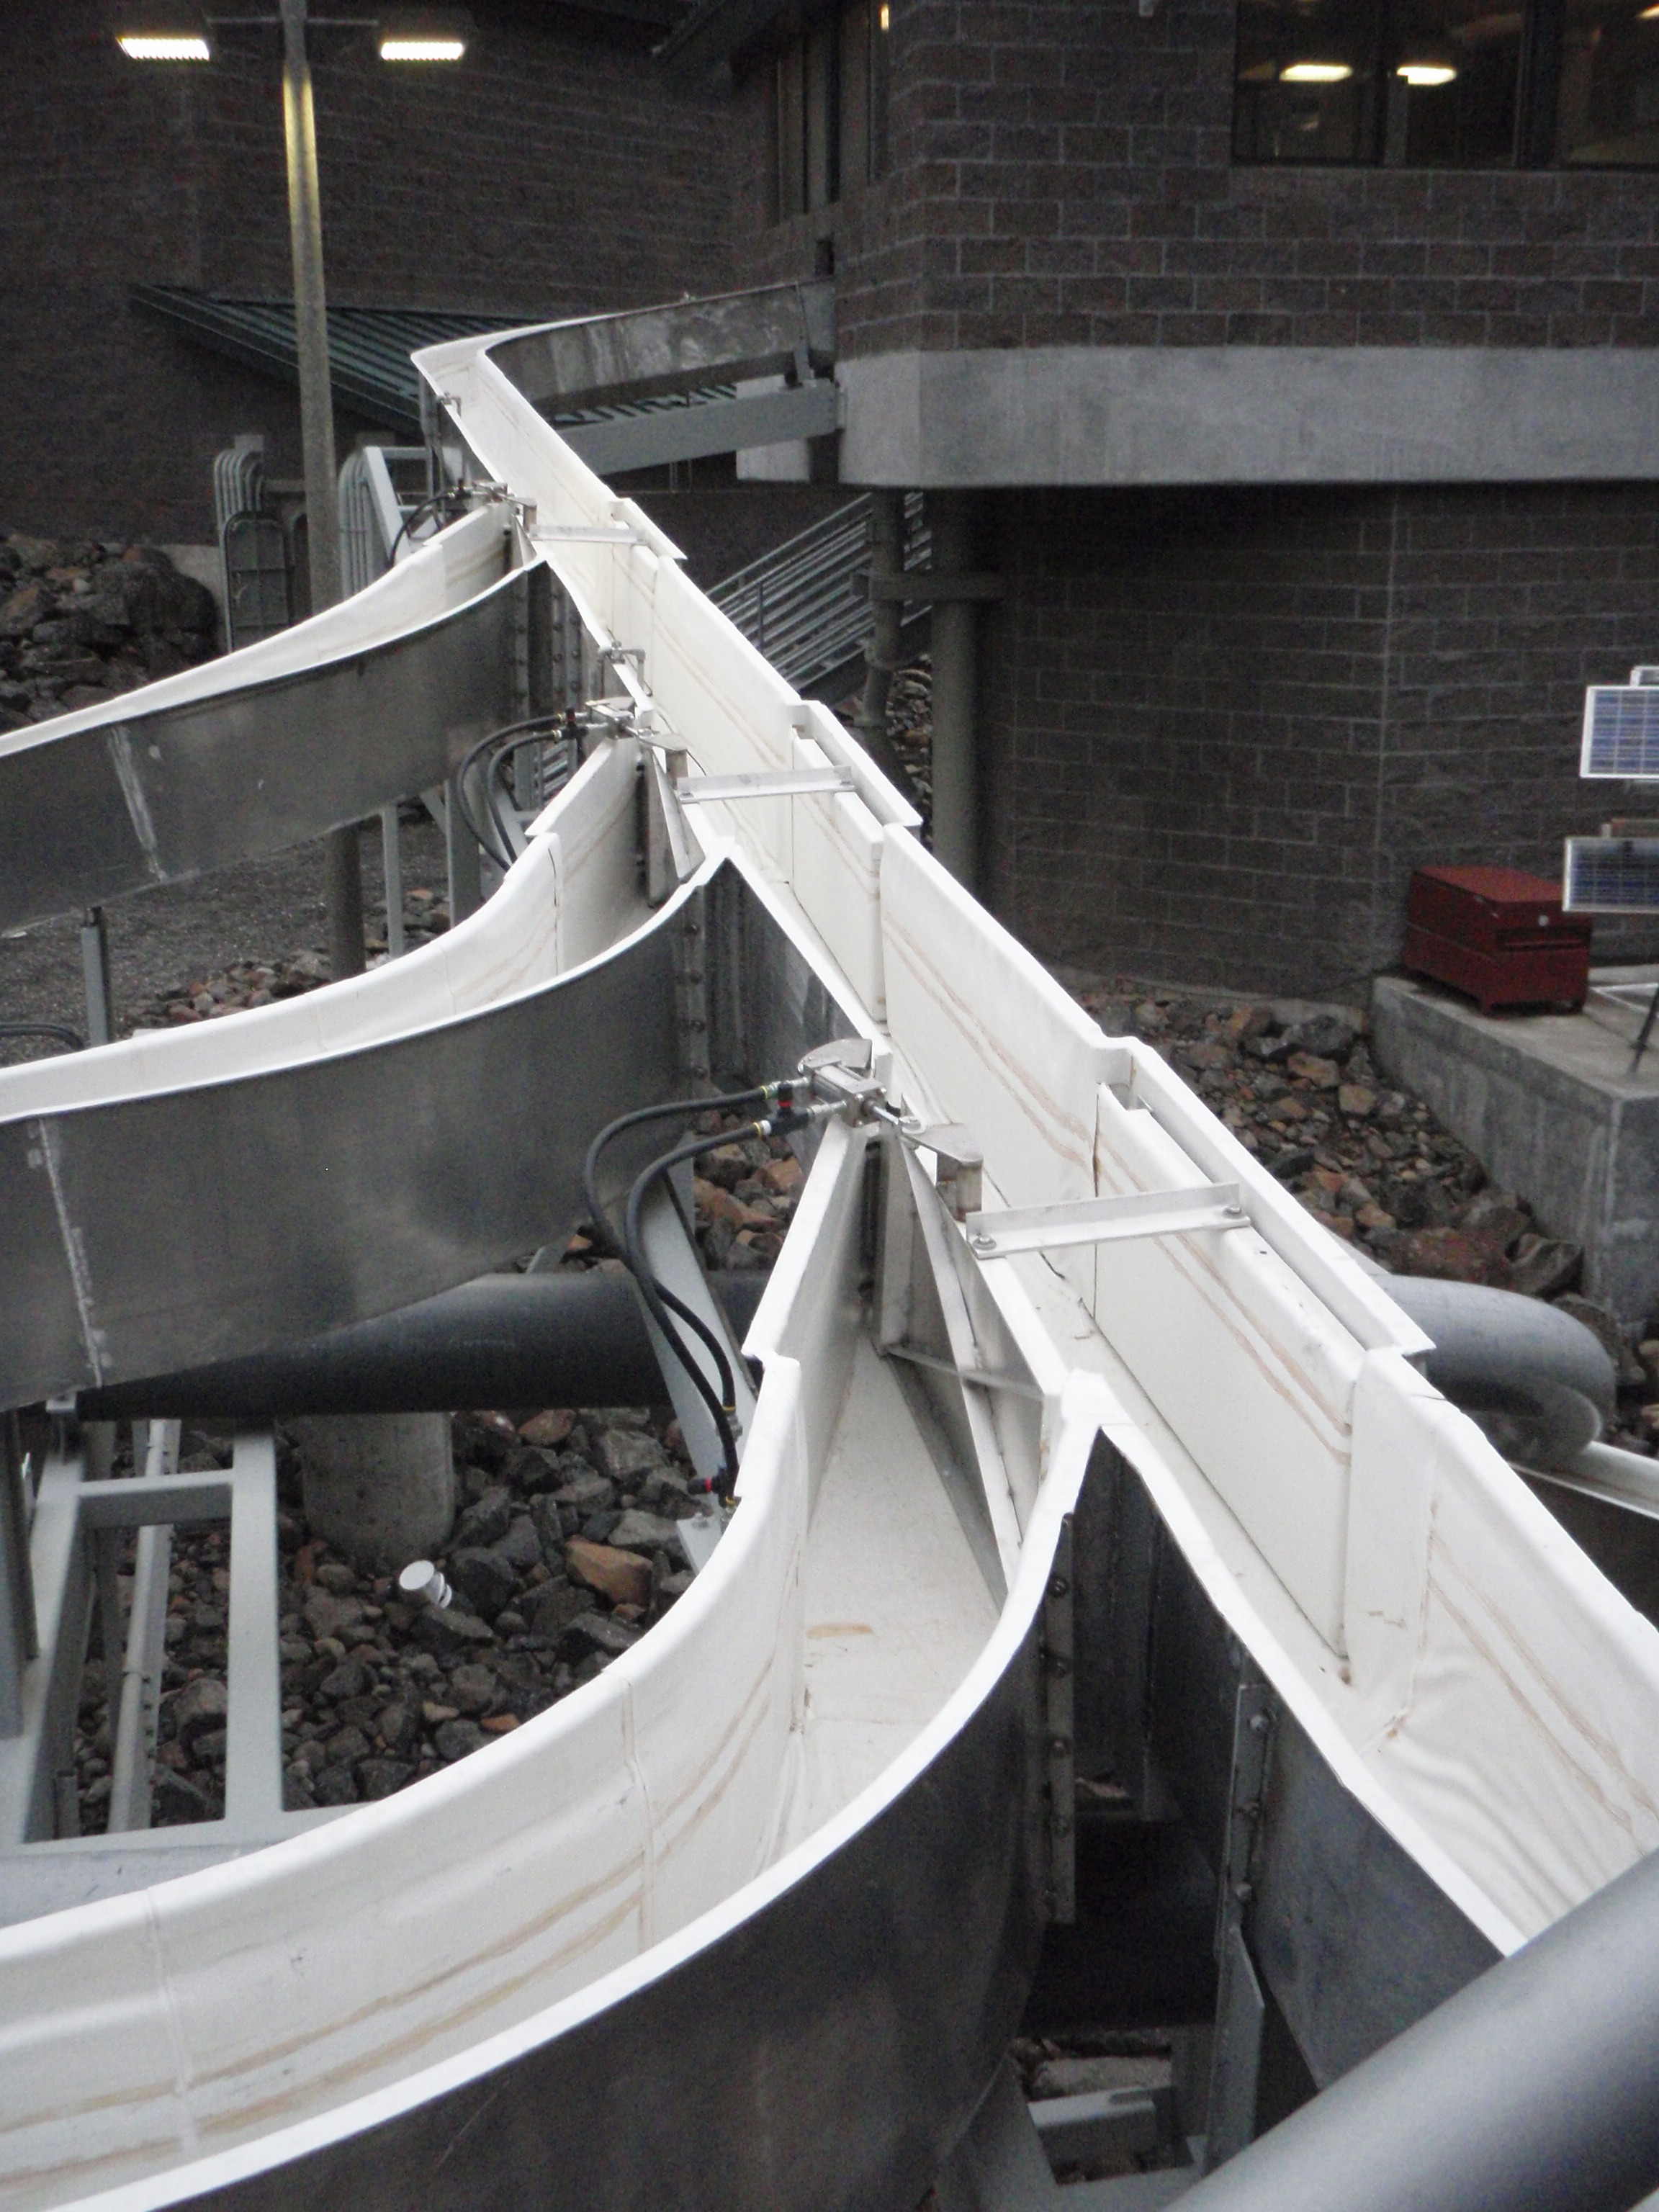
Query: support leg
{"points": [[95, 968], [344, 875], [956, 706], [392, 870]]}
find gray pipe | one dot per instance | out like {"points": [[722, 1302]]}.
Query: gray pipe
{"points": [[546, 1340], [1537, 1380], [1532, 2090]]}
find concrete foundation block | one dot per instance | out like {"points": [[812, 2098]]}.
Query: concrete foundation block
{"points": [[1549, 1105], [380, 1488]]}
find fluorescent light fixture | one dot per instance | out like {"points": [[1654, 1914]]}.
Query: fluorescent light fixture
{"points": [[176, 46], [1650, 14], [1433, 72], [421, 50], [1315, 73]]}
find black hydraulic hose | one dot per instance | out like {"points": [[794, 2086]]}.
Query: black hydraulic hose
{"points": [[721, 1403], [762, 1094], [550, 724], [780, 1124], [71, 1039], [432, 505]]}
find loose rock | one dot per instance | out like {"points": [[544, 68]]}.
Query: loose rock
{"points": [[455, 1739], [623, 1576]]}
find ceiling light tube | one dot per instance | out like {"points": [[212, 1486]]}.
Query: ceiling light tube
{"points": [[1430, 73], [394, 49], [1315, 73], [163, 47]]}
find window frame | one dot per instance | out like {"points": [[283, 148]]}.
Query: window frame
{"points": [[1534, 140], [809, 137]]}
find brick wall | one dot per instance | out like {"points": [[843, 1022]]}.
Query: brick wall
{"points": [[552, 172], [1221, 728], [1062, 174]]}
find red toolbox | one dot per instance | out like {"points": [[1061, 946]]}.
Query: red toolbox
{"points": [[1497, 934]]}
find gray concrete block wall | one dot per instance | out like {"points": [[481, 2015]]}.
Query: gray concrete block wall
{"points": [[1222, 727], [1550, 1107]]}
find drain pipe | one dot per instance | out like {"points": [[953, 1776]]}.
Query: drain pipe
{"points": [[1538, 1384], [575, 1338]]}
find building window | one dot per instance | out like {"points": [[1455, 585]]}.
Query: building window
{"points": [[830, 108], [1448, 84]]}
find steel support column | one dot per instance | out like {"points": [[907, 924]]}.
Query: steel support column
{"points": [[955, 687], [305, 216]]}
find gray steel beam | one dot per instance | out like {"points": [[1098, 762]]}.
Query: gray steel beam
{"points": [[956, 694], [689, 343], [51, 1685], [254, 1749], [17, 1625], [133, 1717], [147, 1501], [711, 426]]}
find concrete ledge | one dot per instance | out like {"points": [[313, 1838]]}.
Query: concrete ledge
{"points": [[1549, 1106], [1195, 415]]}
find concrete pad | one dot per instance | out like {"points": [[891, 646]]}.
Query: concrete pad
{"points": [[1548, 1104]]}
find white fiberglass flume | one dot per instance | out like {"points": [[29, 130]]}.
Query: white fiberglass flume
{"points": [[745, 1921]]}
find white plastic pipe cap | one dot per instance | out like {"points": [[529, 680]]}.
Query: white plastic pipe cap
{"points": [[420, 1580]]}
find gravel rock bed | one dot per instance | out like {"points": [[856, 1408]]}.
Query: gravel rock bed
{"points": [[247, 983], [81, 623], [563, 1554]]}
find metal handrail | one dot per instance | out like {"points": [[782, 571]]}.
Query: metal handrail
{"points": [[803, 605]]}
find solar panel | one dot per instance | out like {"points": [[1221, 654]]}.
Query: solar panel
{"points": [[1621, 731], [1612, 875]]}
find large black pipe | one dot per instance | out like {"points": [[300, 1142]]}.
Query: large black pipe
{"points": [[1534, 2090], [562, 1339], [1536, 1380]]}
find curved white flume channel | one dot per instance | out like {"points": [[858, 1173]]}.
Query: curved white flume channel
{"points": [[1467, 1673]]}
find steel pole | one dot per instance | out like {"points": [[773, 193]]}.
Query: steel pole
{"points": [[956, 717], [344, 891]]}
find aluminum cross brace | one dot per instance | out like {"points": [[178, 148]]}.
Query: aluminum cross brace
{"points": [[786, 783], [1106, 1220]]}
